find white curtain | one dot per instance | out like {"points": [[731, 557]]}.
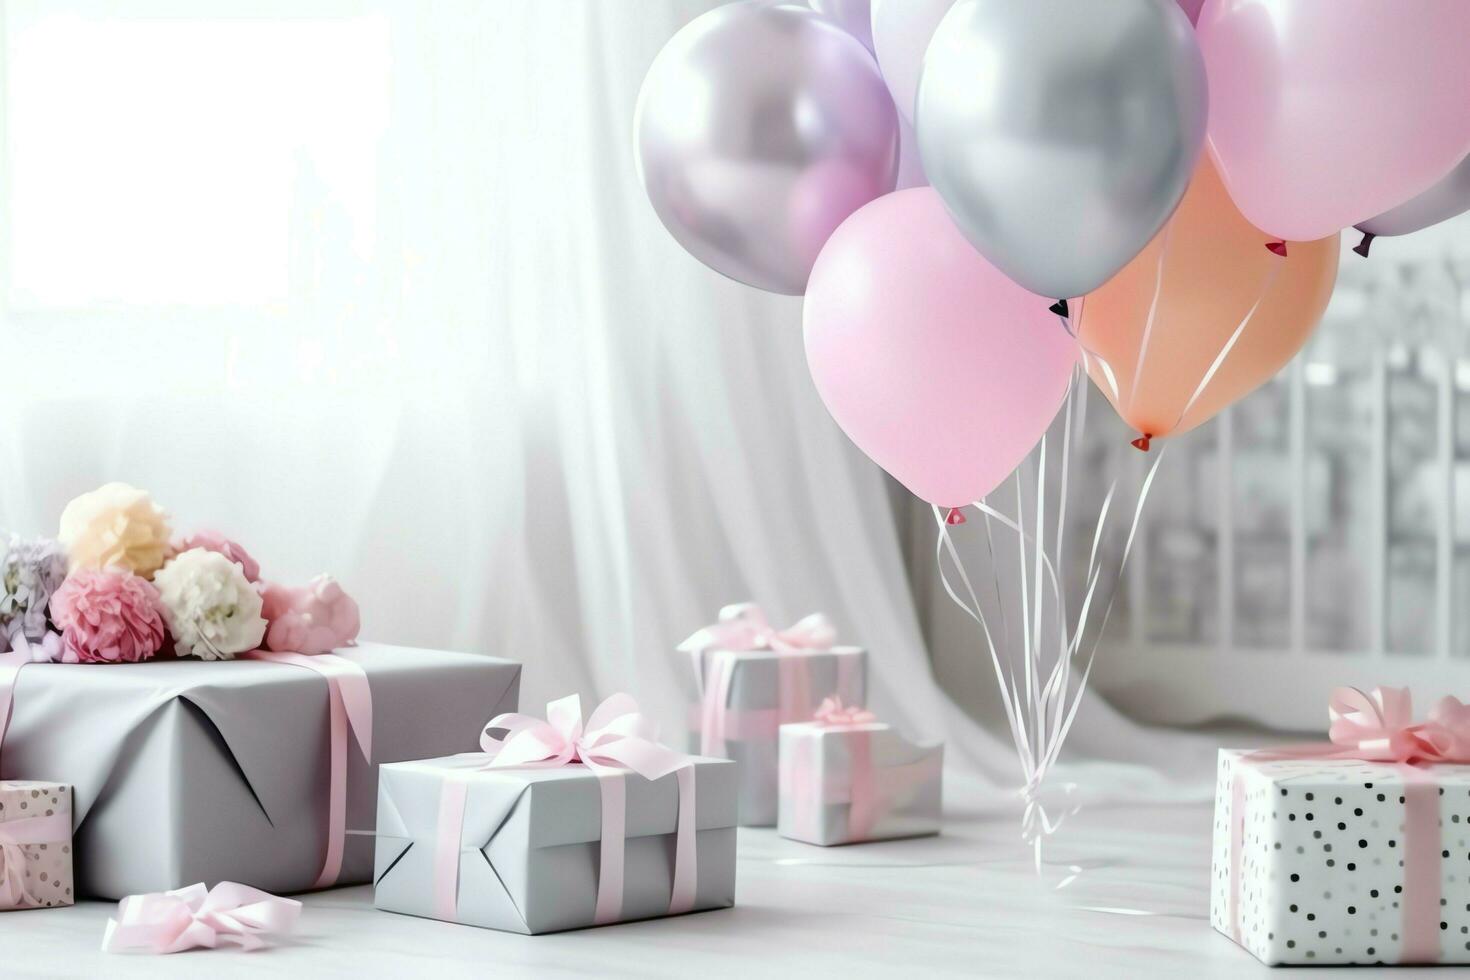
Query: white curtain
{"points": [[453, 358]]}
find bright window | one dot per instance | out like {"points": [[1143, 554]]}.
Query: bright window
{"points": [[185, 160]]}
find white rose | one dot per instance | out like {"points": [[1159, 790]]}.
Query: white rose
{"points": [[212, 609]]}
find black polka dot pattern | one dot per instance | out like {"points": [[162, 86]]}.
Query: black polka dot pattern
{"points": [[1322, 861], [48, 864]]}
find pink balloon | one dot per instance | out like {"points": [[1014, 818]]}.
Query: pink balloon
{"points": [[940, 368], [1324, 113]]}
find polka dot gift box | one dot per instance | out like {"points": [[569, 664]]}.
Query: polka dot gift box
{"points": [[35, 844], [1355, 851]]}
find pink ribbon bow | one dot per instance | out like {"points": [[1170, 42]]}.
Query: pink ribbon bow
{"points": [[616, 734], [196, 917], [743, 626], [832, 712], [1380, 727], [616, 737]]}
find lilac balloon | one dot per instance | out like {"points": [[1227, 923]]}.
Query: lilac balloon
{"points": [[901, 33], [853, 16], [759, 129]]}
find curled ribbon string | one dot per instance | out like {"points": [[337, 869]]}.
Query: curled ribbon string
{"points": [[1041, 721], [230, 914], [52, 829], [615, 738]]}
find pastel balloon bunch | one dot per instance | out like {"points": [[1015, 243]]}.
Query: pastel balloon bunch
{"points": [[1060, 149]]}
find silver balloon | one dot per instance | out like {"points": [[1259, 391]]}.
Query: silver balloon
{"points": [[1061, 134], [853, 16], [1449, 197], [759, 129]]}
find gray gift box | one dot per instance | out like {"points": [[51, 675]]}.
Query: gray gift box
{"points": [[530, 845], [188, 771], [754, 712]]}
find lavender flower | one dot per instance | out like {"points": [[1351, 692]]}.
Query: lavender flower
{"points": [[30, 571]]}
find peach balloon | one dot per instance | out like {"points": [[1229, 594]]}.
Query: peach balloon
{"points": [[1154, 331]]}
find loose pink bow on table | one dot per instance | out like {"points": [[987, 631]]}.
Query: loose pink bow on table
{"points": [[615, 738], [229, 914], [28, 830], [832, 712]]}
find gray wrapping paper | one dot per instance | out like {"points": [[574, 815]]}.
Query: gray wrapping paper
{"points": [[530, 844], [754, 712], [187, 771]]}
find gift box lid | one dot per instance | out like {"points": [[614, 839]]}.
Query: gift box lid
{"points": [[841, 650], [1327, 772], [821, 728], [551, 807]]}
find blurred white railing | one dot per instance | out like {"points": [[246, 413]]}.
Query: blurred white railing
{"points": [[1317, 533]]}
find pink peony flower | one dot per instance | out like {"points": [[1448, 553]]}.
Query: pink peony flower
{"points": [[107, 616], [221, 545], [314, 618]]}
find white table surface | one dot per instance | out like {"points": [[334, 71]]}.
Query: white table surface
{"points": [[966, 903]]}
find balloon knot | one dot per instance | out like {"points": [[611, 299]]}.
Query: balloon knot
{"points": [[955, 516], [1142, 442], [1362, 247], [1060, 308], [1276, 248]]}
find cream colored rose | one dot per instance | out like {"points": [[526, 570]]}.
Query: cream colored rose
{"points": [[115, 526], [212, 609]]}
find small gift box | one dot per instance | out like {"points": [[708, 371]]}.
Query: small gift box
{"points": [[1353, 851], [750, 679], [35, 844], [847, 777], [557, 824]]}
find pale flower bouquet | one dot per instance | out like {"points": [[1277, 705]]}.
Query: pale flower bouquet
{"points": [[115, 587]]}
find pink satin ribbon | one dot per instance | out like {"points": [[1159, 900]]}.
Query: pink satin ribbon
{"points": [[863, 806], [229, 914], [614, 739], [743, 628], [1380, 727], [55, 829], [349, 708], [11, 661]]}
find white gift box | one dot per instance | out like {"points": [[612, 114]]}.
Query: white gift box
{"points": [[1341, 861], [848, 783]]}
